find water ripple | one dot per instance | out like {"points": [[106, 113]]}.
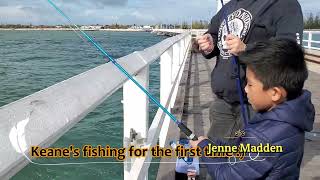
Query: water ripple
{"points": [[31, 61]]}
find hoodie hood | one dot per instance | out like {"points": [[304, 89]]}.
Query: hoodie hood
{"points": [[298, 112]]}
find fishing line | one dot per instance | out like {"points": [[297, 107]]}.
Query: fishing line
{"points": [[182, 127], [235, 61]]}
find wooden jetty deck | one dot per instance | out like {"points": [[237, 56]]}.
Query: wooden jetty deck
{"points": [[192, 106]]}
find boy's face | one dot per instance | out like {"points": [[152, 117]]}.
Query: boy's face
{"points": [[260, 99]]}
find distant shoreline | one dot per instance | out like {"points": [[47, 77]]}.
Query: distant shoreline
{"points": [[68, 29]]}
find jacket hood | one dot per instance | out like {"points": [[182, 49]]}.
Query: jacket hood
{"points": [[298, 112]]}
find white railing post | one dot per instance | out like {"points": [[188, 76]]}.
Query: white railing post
{"points": [[165, 87], [136, 113], [309, 40], [177, 56], [182, 54], [176, 60], [184, 44], [182, 51], [174, 57], [141, 165]]}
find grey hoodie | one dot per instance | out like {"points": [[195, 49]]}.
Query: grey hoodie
{"points": [[252, 21]]}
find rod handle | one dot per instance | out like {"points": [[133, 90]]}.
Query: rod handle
{"points": [[187, 132]]}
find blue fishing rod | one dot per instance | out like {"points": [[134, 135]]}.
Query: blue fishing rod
{"points": [[182, 127], [236, 73]]}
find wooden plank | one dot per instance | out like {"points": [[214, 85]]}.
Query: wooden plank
{"points": [[313, 52], [312, 58]]}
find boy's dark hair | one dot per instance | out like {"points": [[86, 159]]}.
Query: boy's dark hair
{"points": [[278, 63]]}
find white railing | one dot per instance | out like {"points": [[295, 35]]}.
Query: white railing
{"points": [[41, 118], [311, 43], [172, 62], [196, 32]]}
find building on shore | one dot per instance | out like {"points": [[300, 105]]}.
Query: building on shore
{"points": [[92, 28], [147, 28]]}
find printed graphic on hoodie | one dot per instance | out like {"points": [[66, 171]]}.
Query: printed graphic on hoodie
{"points": [[239, 23]]}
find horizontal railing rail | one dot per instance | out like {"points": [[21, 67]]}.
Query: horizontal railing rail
{"points": [[169, 88], [43, 117], [311, 38], [310, 41]]}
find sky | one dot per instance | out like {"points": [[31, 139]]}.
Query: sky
{"points": [[117, 11]]}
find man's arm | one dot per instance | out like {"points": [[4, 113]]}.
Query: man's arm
{"points": [[213, 31]]}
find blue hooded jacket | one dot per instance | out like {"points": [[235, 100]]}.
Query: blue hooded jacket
{"points": [[284, 125]]}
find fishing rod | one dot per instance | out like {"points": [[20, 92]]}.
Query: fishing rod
{"points": [[181, 126], [235, 61]]}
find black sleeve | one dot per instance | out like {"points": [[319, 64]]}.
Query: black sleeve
{"points": [[289, 20], [213, 31]]}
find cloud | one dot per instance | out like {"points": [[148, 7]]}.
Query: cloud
{"points": [[89, 3], [141, 16], [117, 11], [96, 4], [310, 6], [110, 2], [108, 11]]}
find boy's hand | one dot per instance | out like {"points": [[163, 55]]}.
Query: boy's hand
{"points": [[205, 43], [194, 144], [235, 45]]}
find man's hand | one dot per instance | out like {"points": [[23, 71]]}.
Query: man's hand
{"points": [[205, 43], [235, 45], [194, 144]]}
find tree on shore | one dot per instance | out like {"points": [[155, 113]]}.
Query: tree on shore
{"points": [[23, 26], [312, 22], [115, 26], [185, 25], [200, 24]]}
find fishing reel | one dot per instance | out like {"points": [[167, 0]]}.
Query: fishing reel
{"points": [[186, 167]]}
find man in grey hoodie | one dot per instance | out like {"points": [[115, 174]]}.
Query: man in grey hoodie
{"points": [[249, 21]]}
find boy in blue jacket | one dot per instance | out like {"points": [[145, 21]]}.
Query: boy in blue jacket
{"points": [[276, 72]]}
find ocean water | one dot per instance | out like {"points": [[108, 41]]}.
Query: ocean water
{"points": [[33, 60]]}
